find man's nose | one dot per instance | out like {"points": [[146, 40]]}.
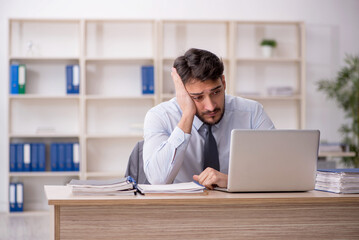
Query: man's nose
{"points": [[209, 104]]}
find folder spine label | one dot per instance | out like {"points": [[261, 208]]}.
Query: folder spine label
{"points": [[27, 156], [12, 197], [22, 79], [76, 157], [19, 197]]}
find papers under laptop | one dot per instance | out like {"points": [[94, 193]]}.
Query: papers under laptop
{"points": [[272, 160]]}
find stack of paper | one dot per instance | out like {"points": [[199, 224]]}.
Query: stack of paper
{"points": [[338, 180], [188, 187], [123, 186]]}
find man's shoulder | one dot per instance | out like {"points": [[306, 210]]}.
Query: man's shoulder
{"points": [[234, 103]]}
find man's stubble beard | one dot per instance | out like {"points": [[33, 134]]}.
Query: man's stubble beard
{"points": [[203, 120]]}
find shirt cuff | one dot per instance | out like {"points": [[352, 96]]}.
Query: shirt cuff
{"points": [[178, 137]]}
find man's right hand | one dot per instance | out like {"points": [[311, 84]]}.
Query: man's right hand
{"points": [[185, 102]]}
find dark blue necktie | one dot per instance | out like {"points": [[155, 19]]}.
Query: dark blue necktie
{"points": [[210, 150]]}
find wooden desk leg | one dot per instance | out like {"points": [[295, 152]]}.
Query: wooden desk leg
{"points": [[52, 222], [55, 222]]}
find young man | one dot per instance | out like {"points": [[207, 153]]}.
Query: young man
{"points": [[188, 137]]}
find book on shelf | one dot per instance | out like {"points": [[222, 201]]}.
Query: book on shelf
{"points": [[280, 91], [64, 157], [16, 199], [187, 187], [14, 79], [122, 186], [41, 164], [73, 79], [17, 78], [333, 147], [338, 180], [12, 197], [13, 166], [26, 157], [147, 75], [22, 79], [20, 157]]}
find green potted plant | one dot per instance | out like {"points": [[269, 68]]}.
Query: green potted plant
{"points": [[267, 46], [344, 89]]}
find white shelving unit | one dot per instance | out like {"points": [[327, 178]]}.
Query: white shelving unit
{"points": [[254, 74], [248, 73], [114, 107], [45, 113], [106, 117]]}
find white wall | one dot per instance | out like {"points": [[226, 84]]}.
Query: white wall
{"points": [[332, 31]]}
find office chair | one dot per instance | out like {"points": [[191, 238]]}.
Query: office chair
{"points": [[135, 165]]}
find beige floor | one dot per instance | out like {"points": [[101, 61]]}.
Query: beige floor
{"points": [[34, 226]]}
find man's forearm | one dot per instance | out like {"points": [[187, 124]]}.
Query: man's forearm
{"points": [[186, 123], [163, 156]]}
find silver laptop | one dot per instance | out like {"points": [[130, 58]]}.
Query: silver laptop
{"points": [[272, 160]]}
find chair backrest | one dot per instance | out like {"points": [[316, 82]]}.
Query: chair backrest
{"points": [[135, 165]]}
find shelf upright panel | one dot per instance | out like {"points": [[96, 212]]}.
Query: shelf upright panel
{"points": [[115, 51]]}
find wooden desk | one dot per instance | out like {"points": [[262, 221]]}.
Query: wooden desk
{"points": [[213, 215]]}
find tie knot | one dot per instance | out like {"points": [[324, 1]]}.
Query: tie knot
{"points": [[208, 127]]}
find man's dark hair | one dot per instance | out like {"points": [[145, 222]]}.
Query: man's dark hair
{"points": [[198, 64]]}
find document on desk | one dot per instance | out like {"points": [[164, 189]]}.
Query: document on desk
{"points": [[123, 186], [187, 187], [338, 180]]}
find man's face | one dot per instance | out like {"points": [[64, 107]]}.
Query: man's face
{"points": [[208, 97]]}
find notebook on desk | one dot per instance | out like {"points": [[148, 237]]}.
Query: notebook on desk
{"points": [[272, 160]]}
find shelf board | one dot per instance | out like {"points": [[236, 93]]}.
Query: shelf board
{"points": [[196, 21], [37, 96], [172, 59], [336, 154], [105, 136], [119, 59], [105, 174], [267, 97], [44, 58], [268, 22], [44, 174], [31, 213], [103, 97], [277, 59], [43, 135], [168, 95], [102, 20]]}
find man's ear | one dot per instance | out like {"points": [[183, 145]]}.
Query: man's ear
{"points": [[223, 79]]}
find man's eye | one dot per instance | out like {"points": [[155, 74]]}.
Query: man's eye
{"points": [[216, 92], [197, 98]]}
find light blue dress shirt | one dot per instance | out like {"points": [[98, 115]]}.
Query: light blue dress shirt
{"points": [[172, 156]]}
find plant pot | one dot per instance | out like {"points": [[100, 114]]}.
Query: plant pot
{"points": [[267, 51]]}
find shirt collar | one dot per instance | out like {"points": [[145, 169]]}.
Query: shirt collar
{"points": [[197, 123]]}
